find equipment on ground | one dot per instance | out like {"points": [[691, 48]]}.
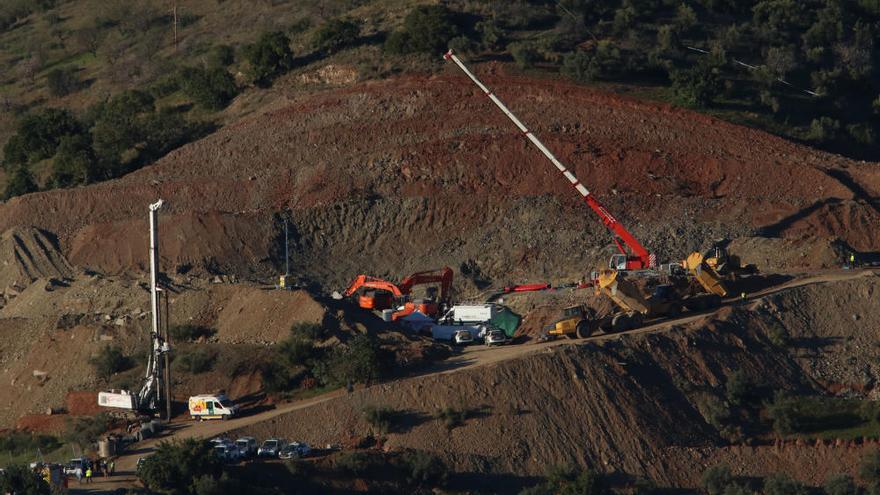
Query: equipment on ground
{"points": [[705, 274], [637, 257], [576, 322], [153, 391], [377, 294]]}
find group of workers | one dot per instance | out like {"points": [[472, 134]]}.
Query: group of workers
{"points": [[102, 466]]}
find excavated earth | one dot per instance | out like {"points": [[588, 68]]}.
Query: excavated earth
{"points": [[395, 176], [388, 177], [631, 405]]}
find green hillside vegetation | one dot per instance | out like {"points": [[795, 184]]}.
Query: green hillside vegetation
{"points": [[93, 89]]}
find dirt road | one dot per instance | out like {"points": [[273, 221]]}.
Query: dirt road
{"points": [[470, 357]]}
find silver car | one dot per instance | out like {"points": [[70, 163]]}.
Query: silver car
{"points": [[271, 447]]}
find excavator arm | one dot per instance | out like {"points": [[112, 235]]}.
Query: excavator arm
{"points": [[365, 281], [442, 276]]}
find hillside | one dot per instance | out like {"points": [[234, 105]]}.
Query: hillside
{"points": [[443, 179]]}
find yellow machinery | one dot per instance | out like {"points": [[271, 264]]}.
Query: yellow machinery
{"points": [[576, 322], [705, 274]]}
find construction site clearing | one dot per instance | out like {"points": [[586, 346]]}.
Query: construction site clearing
{"points": [[611, 362]]}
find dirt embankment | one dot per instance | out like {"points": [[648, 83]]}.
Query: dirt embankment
{"points": [[629, 405], [394, 176]]}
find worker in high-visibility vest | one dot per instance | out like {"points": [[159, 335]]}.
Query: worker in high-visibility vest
{"points": [[852, 260]]}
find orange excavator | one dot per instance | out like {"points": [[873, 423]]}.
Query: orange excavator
{"points": [[377, 294]]}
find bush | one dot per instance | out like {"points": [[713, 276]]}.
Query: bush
{"points": [[840, 484], [197, 361], [190, 333], [19, 442], [568, 480], [869, 468], [783, 411], [739, 389], [452, 417], [524, 54], [311, 331], [777, 335], [110, 361], [175, 466], [220, 56], [336, 34], [716, 479], [62, 82], [783, 484], [75, 162], [22, 479], [211, 89], [823, 129], [698, 86], [296, 351], [424, 468], [379, 418], [38, 135], [355, 463], [358, 361], [715, 410], [275, 378], [426, 29], [269, 57], [86, 430], [21, 182]]}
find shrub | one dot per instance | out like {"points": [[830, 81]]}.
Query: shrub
{"points": [[197, 361], [336, 34], [696, 87], [358, 361], [275, 378], [739, 388], [211, 89], [379, 418], [823, 129], [840, 484], [220, 56], [312, 331], [18, 442], [75, 162], [783, 484], [86, 430], [524, 54], [38, 135], [62, 82], [174, 466], [269, 57], [777, 335], [869, 468], [452, 417], [21, 182], [190, 333], [22, 479], [296, 350], [568, 480], [109, 361], [424, 468], [426, 29], [355, 463], [715, 410], [716, 479], [783, 411]]}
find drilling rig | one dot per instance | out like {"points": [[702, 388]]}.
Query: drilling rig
{"points": [[150, 397]]}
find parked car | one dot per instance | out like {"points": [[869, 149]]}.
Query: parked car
{"points": [[227, 452], [247, 447], [496, 337], [295, 450], [271, 447], [220, 441], [77, 467], [462, 337]]}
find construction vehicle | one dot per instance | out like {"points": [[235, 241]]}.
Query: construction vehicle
{"points": [[153, 390], [632, 256], [373, 293], [705, 274], [576, 322], [377, 294]]}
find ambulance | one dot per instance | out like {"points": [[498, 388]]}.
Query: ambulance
{"points": [[203, 407]]}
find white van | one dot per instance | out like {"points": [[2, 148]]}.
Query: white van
{"points": [[211, 407]]}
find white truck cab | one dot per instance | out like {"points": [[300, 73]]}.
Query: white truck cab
{"points": [[203, 407]]}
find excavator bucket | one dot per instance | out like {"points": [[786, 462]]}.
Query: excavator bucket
{"points": [[705, 274]]}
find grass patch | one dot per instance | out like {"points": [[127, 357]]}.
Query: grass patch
{"points": [[824, 417]]}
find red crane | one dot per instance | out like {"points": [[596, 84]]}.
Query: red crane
{"points": [[637, 258]]}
